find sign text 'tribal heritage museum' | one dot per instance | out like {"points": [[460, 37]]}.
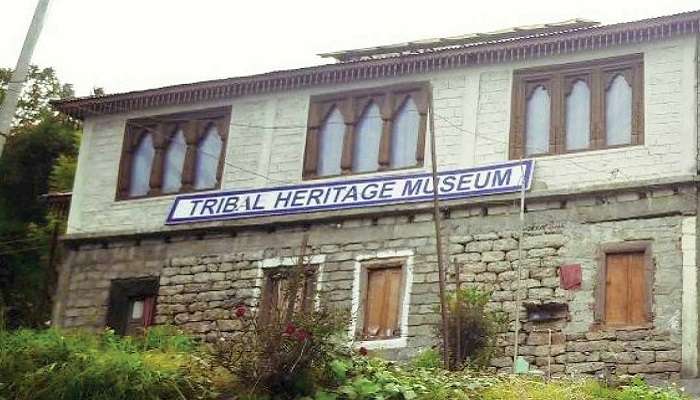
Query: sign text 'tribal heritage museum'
{"points": [[345, 194]]}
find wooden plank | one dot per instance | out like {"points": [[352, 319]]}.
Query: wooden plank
{"points": [[374, 303], [616, 289], [637, 292], [393, 296]]}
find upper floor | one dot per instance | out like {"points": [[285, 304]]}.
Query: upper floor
{"points": [[593, 106]]}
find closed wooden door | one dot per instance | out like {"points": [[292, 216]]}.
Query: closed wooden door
{"points": [[625, 289], [382, 299]]}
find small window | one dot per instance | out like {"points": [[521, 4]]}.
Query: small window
{"points": [[580, 106], [275, 299], [369, 135], [175, 153], [141, 164], [537, 122], [366, 131], [382, 300], [132, 305], [208, 155], [174, 162]]}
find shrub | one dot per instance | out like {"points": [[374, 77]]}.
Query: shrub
{"points": [[478, 325], [62, 365]]}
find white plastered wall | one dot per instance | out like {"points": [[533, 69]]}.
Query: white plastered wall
{"points": [[472, 107]]}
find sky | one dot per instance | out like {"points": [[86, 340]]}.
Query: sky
{"points": [[122, 45]]}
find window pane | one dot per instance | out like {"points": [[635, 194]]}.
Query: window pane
{"points": [[331, 144], [618, 112], [208, 153], [137, 309], [369, 133], [141, 165], [578, 117], [174, 160], [404, 136], [537, 122]]}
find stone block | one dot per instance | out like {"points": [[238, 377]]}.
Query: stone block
{"points": [[505, 244], [478, 246], [491, 256]]}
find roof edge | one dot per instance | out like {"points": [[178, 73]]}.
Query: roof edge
{"points": [[490, 52]]}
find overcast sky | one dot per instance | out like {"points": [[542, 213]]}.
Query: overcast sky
{"points": [[123, 45]]}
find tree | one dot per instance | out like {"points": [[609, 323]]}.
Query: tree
{"points": [[39, 156]]}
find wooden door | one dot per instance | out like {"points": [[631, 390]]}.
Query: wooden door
{"points": [[382, 302], [625, 289]]}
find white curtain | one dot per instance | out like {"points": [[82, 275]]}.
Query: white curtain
{"points": [[207, 165], [618, 112], [331, 144], [141, 164], [578, 117], [537, 122], [404, 135], [365, 156], [174, 161]]}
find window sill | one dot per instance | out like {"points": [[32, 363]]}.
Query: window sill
{"points": [[162, 196], [611, 327], [380, 344], [583, 152]]}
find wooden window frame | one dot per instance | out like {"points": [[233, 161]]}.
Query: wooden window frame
{"points": [[311, 273], [637, 246], [163, 128], [121, 294], [559, 79], [352, 105], [361, 310]]}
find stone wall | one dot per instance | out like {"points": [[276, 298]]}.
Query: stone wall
{"points": [[204, 274]]}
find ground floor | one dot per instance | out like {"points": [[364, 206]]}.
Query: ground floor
{"points": [[607, 277]]}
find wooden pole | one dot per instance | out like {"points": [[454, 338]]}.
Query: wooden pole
{"points": [[438, 239], [518, 295], [458, 313]]}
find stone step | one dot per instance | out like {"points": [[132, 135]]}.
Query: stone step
{"points": [[691, 387]]}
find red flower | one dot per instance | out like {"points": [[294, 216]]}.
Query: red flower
{"points": [[301, 335], [290, 330], [240, 311], [363, 351]]}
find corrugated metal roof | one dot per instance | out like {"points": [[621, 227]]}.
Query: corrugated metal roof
{"points": [[433, 44]]}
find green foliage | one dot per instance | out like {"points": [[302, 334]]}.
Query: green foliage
{"points": [[478, 328], [577, 389], [429, 358], [39, 138], [59, 365], [63, 173], [41, 87]]}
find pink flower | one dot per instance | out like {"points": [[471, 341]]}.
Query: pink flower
{"points": [[362, 351], [240, 311]]}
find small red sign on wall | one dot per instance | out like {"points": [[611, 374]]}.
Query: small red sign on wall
{"points": [[570, 276]]}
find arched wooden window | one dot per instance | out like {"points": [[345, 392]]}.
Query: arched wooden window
{"points": [[173, 153], [366, 131], [174, 162], [538, 121], [141, 165], [367, 140], [579, 106], [618, 111], [578, 116], [208, 155], [331, 144]]}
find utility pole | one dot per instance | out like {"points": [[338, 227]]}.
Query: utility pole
{"points": [[19, 76]]}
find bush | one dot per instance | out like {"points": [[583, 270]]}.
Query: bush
{"points": [[61, 365], [478, 325]]}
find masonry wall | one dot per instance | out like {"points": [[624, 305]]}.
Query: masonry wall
{"points": [[472, 107], [204, 274]]}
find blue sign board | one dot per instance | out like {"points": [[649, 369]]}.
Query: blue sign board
{"points": [[344, 194]]}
